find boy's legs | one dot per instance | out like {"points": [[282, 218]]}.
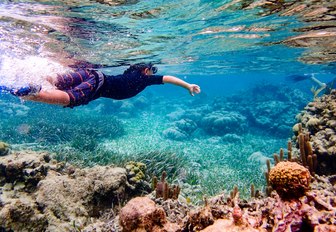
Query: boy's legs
{"points": [[74, 88], [56, 96], [52, 96], [62, 82]]}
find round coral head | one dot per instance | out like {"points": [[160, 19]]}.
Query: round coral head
{"points": [[289, 179]]}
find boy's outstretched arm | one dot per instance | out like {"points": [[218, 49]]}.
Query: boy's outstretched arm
{"points": [[192, 88]]}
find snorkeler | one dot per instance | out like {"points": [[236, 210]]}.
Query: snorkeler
{"points": [[325, 88], [81, 87]]}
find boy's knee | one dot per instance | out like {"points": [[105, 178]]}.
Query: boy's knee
{"points": [[52, 80]]}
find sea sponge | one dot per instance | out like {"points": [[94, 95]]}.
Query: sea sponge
{"points": [[141, 214], [289, 179]]}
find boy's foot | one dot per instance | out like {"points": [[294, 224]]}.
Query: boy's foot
{"points": [[29, 90]]}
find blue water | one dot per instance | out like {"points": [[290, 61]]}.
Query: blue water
{"points": [[235, 53]]}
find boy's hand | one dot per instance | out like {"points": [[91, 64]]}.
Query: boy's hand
{"points": [[194, 89]]}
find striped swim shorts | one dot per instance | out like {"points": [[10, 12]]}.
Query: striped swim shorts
{"points": [[81, 86]]}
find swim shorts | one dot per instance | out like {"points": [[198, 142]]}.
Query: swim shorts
{"points": [[81, 86]]}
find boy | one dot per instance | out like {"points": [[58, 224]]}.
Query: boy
{"points": [[81, 87]]}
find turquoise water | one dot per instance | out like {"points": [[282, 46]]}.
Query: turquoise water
{"points": [[240, 55]]}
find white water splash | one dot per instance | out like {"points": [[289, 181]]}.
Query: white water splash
{"points": [[16, 72]]}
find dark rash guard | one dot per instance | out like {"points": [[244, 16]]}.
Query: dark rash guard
{"points": [[127, 85]]}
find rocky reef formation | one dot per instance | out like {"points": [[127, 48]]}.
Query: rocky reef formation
{"points": [[319, 123], [38, 193]]}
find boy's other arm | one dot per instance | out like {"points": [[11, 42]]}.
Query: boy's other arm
{"points": [[192, 88]]}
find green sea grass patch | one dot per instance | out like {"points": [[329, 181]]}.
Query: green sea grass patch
{"points": [[52, 126]]}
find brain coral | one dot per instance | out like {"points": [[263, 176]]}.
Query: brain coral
{"points": [[289, 179]]}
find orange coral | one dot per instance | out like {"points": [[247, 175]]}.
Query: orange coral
{"points": [[289, 179]]}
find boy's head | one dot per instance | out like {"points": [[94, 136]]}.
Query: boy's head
{"points": [[143, 68]]}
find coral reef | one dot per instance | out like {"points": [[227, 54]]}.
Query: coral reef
{"points": [[39, 193], [136, 171], [307, 157], [289, 179], [222, 122], [180, 130], [136, 178], [315, 211], [255, 109], [232, 138], [174, 134], [318, 124], [297, 204]]}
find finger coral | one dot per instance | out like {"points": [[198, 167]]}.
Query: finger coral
{"points": [[289, 179]]}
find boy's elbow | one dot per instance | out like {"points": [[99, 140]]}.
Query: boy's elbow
{"points": [[166, 79]]}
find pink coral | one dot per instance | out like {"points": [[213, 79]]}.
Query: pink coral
{"points": [[141, 213], [237, 215]]}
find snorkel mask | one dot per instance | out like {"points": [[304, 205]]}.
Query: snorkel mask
{"points": [[154, 69], [140, 67]]}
